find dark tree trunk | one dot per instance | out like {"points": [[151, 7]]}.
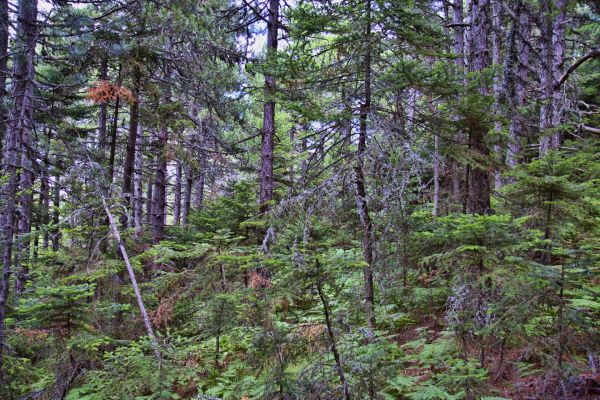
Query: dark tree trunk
{"points": [[519, 93], [149, 200], [113, 135], [187, 196], [558, 61], [200, 183], [359, 182], [138, 195], [102, 117], [4, 33], [479, 179], [268, 130], [332, 341], [18, 135], [545, 73], [497, 88], [459, 50], [177, 196], [45, 218], [55, 232], [130, 155]]}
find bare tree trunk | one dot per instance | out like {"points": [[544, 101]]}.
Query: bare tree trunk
{"points": [[517, 123], [479, 181], [159, 195], [150, 199], [268, 130], [558, 61], [436, 175], [114, 132], [4, 34], [177, 196], [545, 72], [55, 232], [497, 87], [187, 196], [136, 289], [200, 183], [10, 165], [45, 193], [359, 183], [138, 189], [459, 52], [22, 121], [102, 117], [25, 214], [18, 134], [130, 155]]}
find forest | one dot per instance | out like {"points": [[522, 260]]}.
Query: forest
{"points": [[299, 199]]}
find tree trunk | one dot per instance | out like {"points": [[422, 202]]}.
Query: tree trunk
{"points": [[497, 87], [159, 195], [558, 61], [268, 129], [130, 155], [18, 135], [187, 196], [459, 53], [359, 183], [479, 180], [150, 199], [4, 34], [55, 232], [138, 189], [332, 341], [177, 196], [136, 289], [545, 74], [102, 116], [516, 129], [113, 138], [436, 175]]}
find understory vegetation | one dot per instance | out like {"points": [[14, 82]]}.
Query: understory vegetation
{"points": [[300, 200]]}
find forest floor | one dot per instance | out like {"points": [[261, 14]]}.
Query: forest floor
{"points": [[506, 379]]}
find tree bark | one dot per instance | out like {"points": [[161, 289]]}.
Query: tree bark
{"points": [[130, 154], [479, 180], [199, 190], [4, 34], [15, 153], [558, 62], [436, 175], [268, 130], [517, 124], [497, 86], [545, 73], [114, 132], [138, 188], [187, 196], [136, 289], [332, 341], [102, 116], [150, 198], [359, 182], [55, 232], [459, 53], [177, 196], [159, 195]]}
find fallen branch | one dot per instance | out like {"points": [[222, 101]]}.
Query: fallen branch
{"points": [[136, 289], [577, 64]]}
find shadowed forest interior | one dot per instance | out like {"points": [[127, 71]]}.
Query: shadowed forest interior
{"points": [[299, 199]]}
